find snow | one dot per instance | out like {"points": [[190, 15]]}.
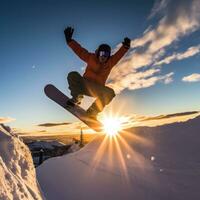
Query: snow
{"points": [[143, 163], [17, 173], [74, 147]]}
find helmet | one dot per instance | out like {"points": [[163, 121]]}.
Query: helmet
{"points": [[105, 48]]}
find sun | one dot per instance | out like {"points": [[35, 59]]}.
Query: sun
{"points": [[112, 125]]}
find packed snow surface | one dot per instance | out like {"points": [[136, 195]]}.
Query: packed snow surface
{"points": [[141, 163], [17, 173]]}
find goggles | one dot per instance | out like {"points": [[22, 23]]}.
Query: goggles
{"points": [[104, 53]]}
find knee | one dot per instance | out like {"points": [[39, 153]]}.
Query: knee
{"points": [[73, 75]]}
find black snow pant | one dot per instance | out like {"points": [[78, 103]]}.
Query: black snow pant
{"points": [[79, 85]]}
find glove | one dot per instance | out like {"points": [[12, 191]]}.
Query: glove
{"points": [[68, 33], [126, 42]]}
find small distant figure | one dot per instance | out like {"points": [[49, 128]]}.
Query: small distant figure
{"points": [[41, 153], [92, 83]]}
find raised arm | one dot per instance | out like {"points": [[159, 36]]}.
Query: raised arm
{"points": [[121, 52], [81, 52]]}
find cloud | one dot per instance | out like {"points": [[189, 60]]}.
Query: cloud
{"points": [[191, 51], [135, 120], [141, 80], [6, 119], [42, 131], [53, 124], [177, 20], [50, 129], [159, 6], [191, 78], [169, 116]]}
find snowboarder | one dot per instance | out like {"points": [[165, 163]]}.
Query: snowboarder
{"points": [[92, 83]]}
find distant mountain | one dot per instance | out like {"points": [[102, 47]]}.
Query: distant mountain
{"points": [[37, 145]]}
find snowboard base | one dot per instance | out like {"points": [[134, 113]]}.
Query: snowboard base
{"points": [[57, 96]]}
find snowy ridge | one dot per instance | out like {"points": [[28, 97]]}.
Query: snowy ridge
{"points": [[17, 173], [146, 163]]}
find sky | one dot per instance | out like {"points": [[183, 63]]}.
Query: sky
{"points": [[159, 75]]}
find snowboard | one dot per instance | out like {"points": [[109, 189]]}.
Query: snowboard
{"points": [[57, 96]]}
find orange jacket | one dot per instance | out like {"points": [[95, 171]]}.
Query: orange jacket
{"points": [[95, 70]]}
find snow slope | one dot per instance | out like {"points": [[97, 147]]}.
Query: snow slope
{"points": [[146, 163], [17, 173]]}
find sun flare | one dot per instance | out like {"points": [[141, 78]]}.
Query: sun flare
{"points": [[112, 125]]}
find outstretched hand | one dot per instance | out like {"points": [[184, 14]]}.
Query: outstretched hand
{"points": [[68, 33], [126, 42]]}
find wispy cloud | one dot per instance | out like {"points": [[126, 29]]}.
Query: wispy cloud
{"points": [[49, 128], [54, 124], [180, 18], [140, 80], [191, 78], [191, 51], [169, 116], [159, 6], [136, 120], [6, 119], [177, 20]]}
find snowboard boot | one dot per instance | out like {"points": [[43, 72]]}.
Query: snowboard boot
{"points": [[75, 100], [92, 113]]}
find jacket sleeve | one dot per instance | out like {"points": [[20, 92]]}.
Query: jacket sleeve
{"points": [[118, 55], [79, 50]]}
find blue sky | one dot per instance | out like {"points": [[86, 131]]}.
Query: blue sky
{"points": [[34, 53]]}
